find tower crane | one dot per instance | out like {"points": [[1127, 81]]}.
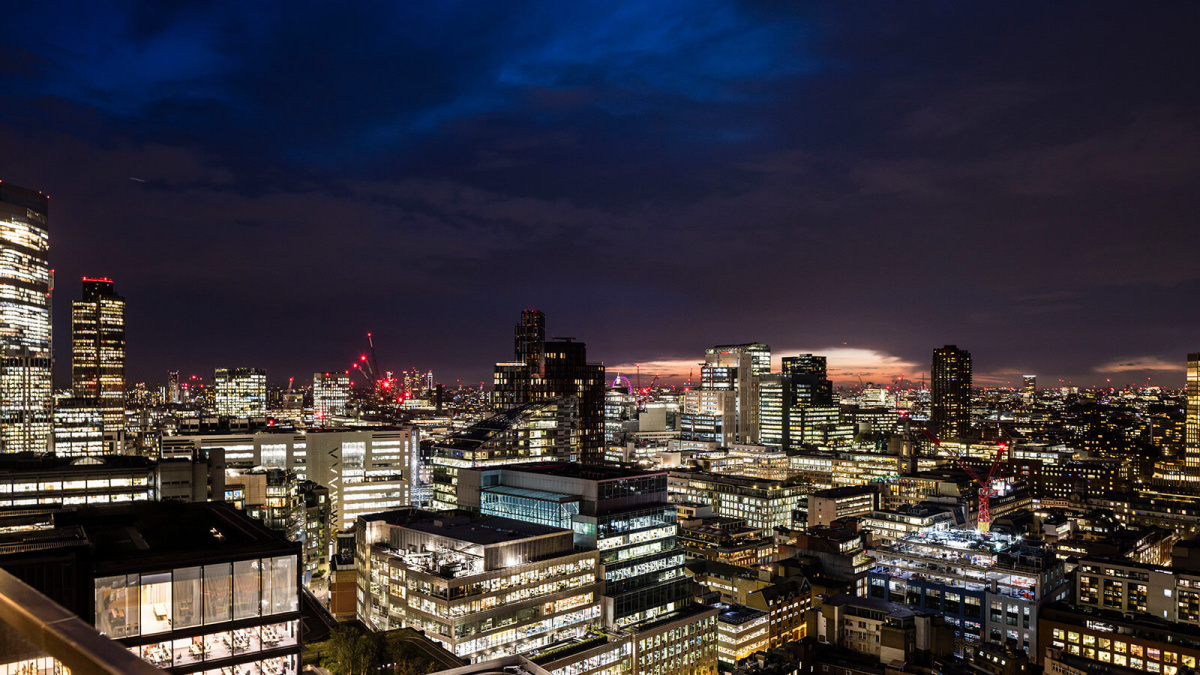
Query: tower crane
{"points": [[983, 520]]}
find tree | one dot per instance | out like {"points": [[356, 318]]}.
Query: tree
{"points": [[353, 652]]}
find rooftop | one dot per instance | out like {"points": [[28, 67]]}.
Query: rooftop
{"points": [[587, 472], [179, 530], [877, 604], [464, 526], [737, 614], [31, 462]]}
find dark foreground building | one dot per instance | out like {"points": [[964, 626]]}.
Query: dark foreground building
{"points": [[191, 588]]}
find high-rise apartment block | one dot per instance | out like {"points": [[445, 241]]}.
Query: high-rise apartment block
{"points": [[542, 370], [241, 392], [331, 393], [26, 346], [950, 382], [98, 350]]}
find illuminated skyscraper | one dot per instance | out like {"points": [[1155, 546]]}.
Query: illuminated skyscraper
{"points": [[331, 391], [542, 371], [173, 393], [26, 345], [950, 384], [240, 392], [98, 350], [1192, 423], [1029, 390]]}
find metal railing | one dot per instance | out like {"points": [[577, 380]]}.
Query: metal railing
{"points": [[33, 626]]}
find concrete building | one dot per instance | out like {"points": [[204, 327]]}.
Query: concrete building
{"points": [[826, 506], [366, 471], [887, 631]]}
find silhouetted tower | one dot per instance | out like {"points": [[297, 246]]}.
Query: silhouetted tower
{"points": [[950, 389]]}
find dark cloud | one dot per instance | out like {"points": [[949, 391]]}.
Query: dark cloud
{"points": [[658, 177]]}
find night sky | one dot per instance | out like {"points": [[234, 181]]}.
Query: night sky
{"points": [[864, 180]]}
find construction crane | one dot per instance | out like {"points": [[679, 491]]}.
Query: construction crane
{"points": [[368, 365], [983, 520], [645, 392]]}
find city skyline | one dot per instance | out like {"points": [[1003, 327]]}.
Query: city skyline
{"points": [[1010, 180]]}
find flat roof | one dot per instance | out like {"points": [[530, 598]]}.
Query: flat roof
{"points": [[585, 471], [530, 493], [174, 530], [464, 526], [877, 604], [737, 614]]}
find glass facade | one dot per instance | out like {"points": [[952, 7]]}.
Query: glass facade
{"points": [[98, 350], [221, 645], [241, 392], [26, 283], [531, 506], [148, 604]]}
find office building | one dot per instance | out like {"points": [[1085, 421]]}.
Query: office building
{"points": [[624, 513], [1076, 642], [796, 406], [886, 631], [481, 586], [544, 370], [331, 394], [26, 346], [709, 417], [1029, 387], [534, 432], [193, 588], [29, 480], [741, 631], [736, 369], [365, 471], [174, 395], [78, 427], [98, 351], [826, 506], [1192, 423], [950, 385], [762, 503], [989, 586], [240, 392], [888, 526], [760, 355]]}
